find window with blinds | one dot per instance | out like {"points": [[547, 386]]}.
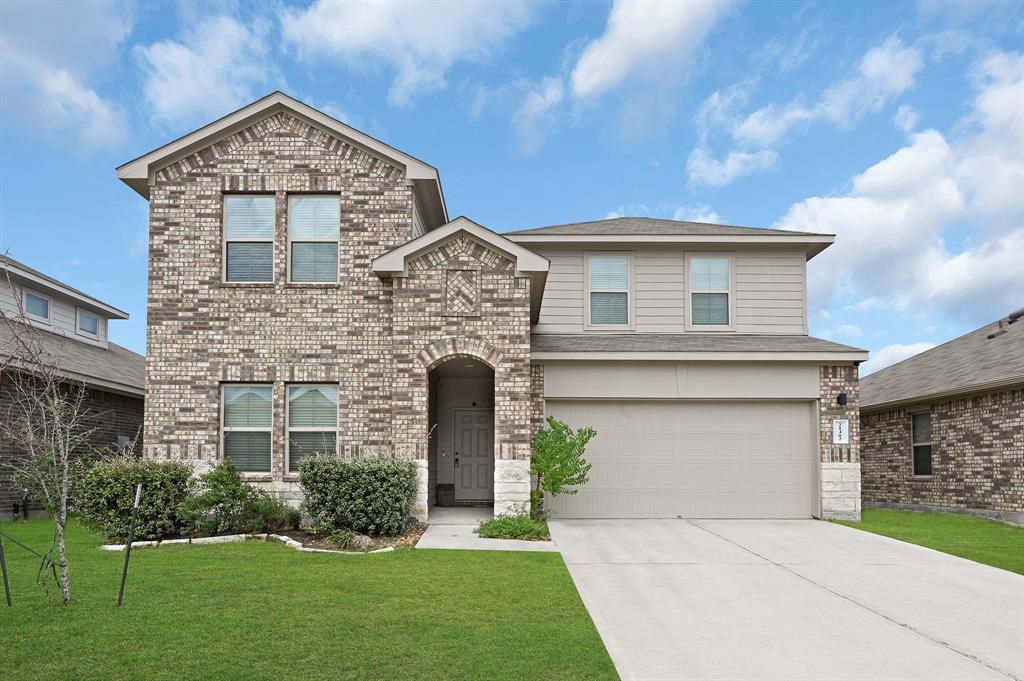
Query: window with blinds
{"points": [[314, 223], [248, 238], [312, 422], [921, 442], [609, 290], [247, 419], [710, 283]]}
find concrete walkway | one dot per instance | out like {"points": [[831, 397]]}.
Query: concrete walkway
{"points": [[453, 528], [792, 600]]}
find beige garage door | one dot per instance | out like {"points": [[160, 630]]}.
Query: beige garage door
{"points": [[671, 459]]}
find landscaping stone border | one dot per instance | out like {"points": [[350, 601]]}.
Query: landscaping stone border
{"points": [[228, 538]]}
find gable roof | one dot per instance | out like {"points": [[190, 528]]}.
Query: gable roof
{"points": [[692, 346], [23, 272], [655, 230], [139, 172], [971, 363]]}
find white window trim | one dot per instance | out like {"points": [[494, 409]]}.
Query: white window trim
{"points": [[687, 281], [235, 429], [630, 324], [914, 445], [78, 323], [304, 429], [36, 318], [251, 240], [312, 240]]}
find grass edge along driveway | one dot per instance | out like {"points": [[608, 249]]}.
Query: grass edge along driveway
{"points": [[979, 539], [257, 610]]}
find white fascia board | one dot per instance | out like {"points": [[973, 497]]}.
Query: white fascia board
{"points": [[109, 311], [394, 262], [815, 357]]}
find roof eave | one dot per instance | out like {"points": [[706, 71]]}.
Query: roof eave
{"points": [[943, 394], [814, 244], [748, 356], [109, 311]]}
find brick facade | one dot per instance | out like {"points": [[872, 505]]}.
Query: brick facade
{"points": [[977, 454], [840, 463]]}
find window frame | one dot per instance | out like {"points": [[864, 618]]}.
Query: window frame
{"points": [[312, 240], [272, 240], [25, 292], [306, 429], [630, 324], [78, 323], [730, 257], [231, 429], [914, 445]]}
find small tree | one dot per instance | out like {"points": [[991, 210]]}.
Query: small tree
{"points": [[558, 465]]}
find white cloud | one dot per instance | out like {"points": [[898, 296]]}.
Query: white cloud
{"points": [[906, 118], [535, 117], [702, 169], [851, 330], [216, 67], [891, 354], [647, 39], [53, 55], [419, 40], [700, 212]]}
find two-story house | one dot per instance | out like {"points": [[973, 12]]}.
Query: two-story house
{"points": [[69, 328], [308, 293]]}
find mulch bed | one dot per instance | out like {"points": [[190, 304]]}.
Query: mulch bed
{"points": [[322, 540]]}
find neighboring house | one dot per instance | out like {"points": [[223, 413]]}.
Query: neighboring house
{"points": [[945, 429], [309, 293], [71, 328]]}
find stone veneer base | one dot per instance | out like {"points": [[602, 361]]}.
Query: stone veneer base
{"points": [[511, 487], [840, 491]]}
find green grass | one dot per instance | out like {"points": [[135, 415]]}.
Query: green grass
{"points": [[259, 610], [514, 527], [977, 539]]}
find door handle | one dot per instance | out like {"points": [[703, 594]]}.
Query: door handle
{"points": [[456, 459]]}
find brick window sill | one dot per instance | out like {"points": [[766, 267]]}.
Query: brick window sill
{"points": [[919, 478], [257, 477], [312, 285], [246, 284], [291, 477]]}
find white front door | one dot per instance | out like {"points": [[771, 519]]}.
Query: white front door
{"points": [[474, 454]]}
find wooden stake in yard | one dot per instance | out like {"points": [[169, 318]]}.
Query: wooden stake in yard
{"points": [[128, 546], [3, 569]]}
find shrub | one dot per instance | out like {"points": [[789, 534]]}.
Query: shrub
{"points": [[557, 465], [370, 497], [514, 527], [226, 504], [106, 495]]}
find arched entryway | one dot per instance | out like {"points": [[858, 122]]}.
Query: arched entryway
{"points": [[460, 448]]}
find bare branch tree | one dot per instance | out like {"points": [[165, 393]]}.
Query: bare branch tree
{"points": [[47, 422]]}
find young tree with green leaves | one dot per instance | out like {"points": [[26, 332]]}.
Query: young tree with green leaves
{"points": [[558, 466]]}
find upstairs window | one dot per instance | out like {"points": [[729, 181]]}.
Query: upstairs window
{"points": [[710, 281], [37, 306], [312, 422], [249, 238], [609, 290], [88, 324], [246, 423], [921, 442], [314, 223]]}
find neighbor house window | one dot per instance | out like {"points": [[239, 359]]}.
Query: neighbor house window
{"points": [[710, 282], [312, 422], [247, 419], [609, 290], [88, 323], [921, 442], [37, 306], [313, 226], [249, 238]]}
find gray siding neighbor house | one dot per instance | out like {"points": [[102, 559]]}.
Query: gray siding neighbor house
{"points": [[71, 327], [309, 293], [945, 429]]}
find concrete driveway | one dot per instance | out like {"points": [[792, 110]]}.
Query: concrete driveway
{"points": [[790, 599]]}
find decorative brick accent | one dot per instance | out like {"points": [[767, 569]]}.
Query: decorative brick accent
{"points": [[840, 464], [977, 454], [462, 293]]}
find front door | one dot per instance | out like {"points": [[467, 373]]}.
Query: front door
{"points": [[474, 455]]}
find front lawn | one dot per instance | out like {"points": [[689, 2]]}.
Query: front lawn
{"points": [[977, 539], [259, 610]]}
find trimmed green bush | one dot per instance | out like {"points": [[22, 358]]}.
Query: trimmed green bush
{"points": [[226, 504], [369, 497], [514, 527], [105, 496]]}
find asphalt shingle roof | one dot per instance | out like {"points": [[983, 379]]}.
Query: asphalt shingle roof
{"points": [[961, 365], [654, 227], [682, 342]]}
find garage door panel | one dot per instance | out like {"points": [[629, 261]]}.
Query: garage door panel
{"points": [[693, 459]]}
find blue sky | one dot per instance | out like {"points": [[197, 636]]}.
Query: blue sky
{"points": [[897, 126]]}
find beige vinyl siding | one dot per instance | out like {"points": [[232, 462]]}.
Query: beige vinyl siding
{"points": [[63, 319], [769, 291]]}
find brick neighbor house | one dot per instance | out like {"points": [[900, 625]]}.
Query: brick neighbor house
{"points": [[945, 429], [72, 331], [308, 293]]}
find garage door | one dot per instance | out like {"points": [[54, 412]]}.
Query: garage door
{"points": [[671, 459]]}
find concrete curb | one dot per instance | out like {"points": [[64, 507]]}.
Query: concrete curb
{"points": [[228, 538]]}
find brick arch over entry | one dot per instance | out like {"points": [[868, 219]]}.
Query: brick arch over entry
{"points": [[441, 351]]}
